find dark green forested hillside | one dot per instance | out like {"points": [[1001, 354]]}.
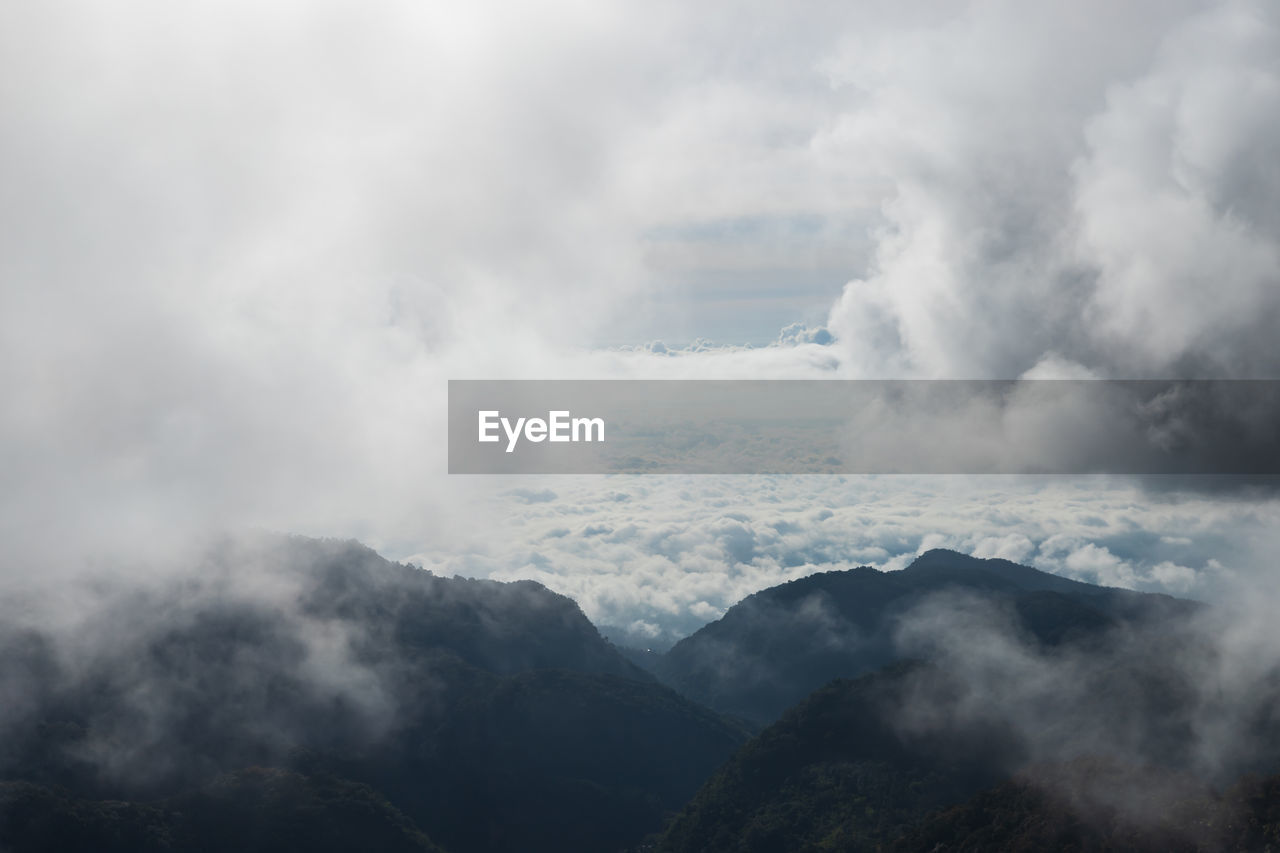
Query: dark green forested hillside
{"points": [[840, 773], [834, 774], [486, 716], [1100, 805], [253, 810], [774, 647], [289, 693], [1018, 673]]}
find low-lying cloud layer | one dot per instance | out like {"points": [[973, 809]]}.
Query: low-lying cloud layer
{"points": [[664, 555]]}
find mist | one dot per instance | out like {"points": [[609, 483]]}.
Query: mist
{"points": [[243, 251], [1131, 724]]}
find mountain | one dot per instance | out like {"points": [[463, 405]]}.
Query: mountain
{"points": [[835, 774], [253, 810], [1035, 714], [641, 649], [1075, 807], [627, 638], [288, 693], [548, 760], [484, 716], [913, 759], [774, 647]]}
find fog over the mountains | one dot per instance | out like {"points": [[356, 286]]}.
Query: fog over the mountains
{"points": [[1194, 693], [243, 249]]}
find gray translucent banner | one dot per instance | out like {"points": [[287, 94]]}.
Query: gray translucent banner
{"points": [[864, 427]]}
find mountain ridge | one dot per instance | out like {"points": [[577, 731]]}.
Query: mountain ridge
{"points": [[486, 714], [776, 645], [1019, 713]]}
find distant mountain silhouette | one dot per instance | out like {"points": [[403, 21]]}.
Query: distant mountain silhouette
{"points": [[776, 646]]}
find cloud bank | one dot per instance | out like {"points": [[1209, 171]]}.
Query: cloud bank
{"points": [[243, 249]]}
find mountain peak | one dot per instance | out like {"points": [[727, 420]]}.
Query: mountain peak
{"points": [[945, 558], [943, 562], [779, 644], [938, 555]]}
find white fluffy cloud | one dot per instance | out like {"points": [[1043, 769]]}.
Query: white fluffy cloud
{"points": [[1088, 187], [674, 552]]}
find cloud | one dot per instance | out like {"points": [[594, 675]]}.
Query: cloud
{"points": [[1014, 547], [1188, 695], [799, 333], [533, 496], [244, 249], [1104, 214], [1170, 201], [696, 546]]}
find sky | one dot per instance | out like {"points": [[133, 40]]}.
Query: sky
{"points": [[243, 248]]}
